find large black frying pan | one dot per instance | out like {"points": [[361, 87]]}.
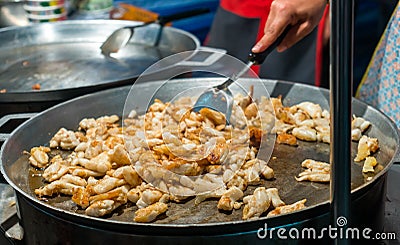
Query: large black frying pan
{"points": [[65, 59], [187, 222]]}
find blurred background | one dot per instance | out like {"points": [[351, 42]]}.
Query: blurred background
{"points": [[371, 17]]}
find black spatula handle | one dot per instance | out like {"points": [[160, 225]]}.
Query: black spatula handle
{"points": [[258, 58]]}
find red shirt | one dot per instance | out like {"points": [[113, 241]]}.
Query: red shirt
{"points": [[260, 9], [249, 9]]}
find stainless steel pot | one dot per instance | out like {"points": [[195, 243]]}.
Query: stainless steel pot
{"points": [[46, 224], [12, 13], [64, 58]]}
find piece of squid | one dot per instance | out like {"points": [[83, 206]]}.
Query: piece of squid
{"points": [[228, 199], [39, 157], [256, 204], [314, 176], [369, 164], [102, 207], [314, 165], [287, 208], [150, 213], [366, 146]]}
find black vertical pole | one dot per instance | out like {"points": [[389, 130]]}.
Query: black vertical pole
{"points": [[341, 80]]}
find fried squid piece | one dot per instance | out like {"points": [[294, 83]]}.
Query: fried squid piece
{"points": [[39, 157], [217, 150], [316, 171], [107, 183], [149, 197], [366, 146], [119, 156], [369, 164], [312, 109], [83, 172], [129, 174], [287, 208], [58, 187], [81, 197], [252, 170], [102, 207], [256, 204], [56, 169], [229, 198], [358, 126], [101, 163], [216, 117], [305, 133], [150, 213], [118, 194], [316, 165], [66, 139], [275, 198], [287, 139], [312, 176], [213, 194]]}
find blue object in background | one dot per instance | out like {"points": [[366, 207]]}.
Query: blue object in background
{"points": [[197, 25]]}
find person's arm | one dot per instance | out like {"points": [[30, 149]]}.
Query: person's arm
{"points": [[302, 15]]}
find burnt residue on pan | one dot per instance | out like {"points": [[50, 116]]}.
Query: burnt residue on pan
{"points": [[285, 160]]}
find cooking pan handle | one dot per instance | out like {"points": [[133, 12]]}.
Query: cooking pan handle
{"points": [[215, 55], [5, 130], [7, 236], [4, 120]]}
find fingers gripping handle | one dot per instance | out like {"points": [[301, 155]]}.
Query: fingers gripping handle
{"points": [[258, 58]]}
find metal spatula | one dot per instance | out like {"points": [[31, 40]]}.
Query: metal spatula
{"points": [[120, 37], [219, 98]]}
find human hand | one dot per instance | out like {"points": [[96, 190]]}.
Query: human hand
{"points": [[302, 15]]}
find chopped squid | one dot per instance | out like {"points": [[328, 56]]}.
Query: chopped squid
{"points": [[149, 197], [101, 163], [228, 199], [316, 165], [256, 204], [287, 139], [369, 164], [118, 194], [305, 133], [83, 172], [358, 126], [102, 207], [212, 194], [171, 153], [129, 174], [316, 171], [287, 208], [107, 183], [275, 198], [66, 139], [260, 201], [39, 157], [119, 156], [314, 176], [313, 110], [366, 146], [56, 169], [150, 213], [57, 187], [216, 117]]}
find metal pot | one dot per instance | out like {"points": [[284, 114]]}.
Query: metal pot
{"points": [[64, 58], [45, 224], [12, 13]]}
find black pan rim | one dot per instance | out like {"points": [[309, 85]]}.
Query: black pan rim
{"points": [[322, 207]]}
